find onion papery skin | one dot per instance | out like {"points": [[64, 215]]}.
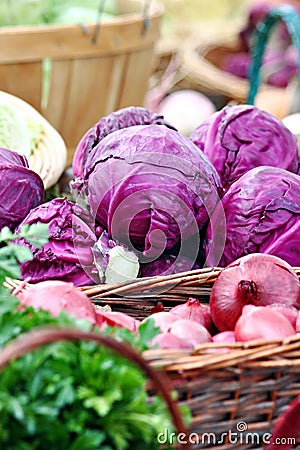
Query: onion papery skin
{"points": [[257, 279]]}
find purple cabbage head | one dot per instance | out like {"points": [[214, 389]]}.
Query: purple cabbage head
{"points": [[261, 213], [150, 187], [21, 189], [123, 118], [237, 64], [68, 254], [168, 265], [240, 137], [257, 13], [10, 157]]}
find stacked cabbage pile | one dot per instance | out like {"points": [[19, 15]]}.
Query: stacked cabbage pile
{"points": [[257, 159], [147, 200]]}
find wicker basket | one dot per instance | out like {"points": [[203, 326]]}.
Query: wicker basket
{"points": [[201, 64], [242, 390], [96, 69]]}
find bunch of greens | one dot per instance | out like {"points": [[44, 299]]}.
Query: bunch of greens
{"points": [[71, 395], [11, 254], [38, 12]]}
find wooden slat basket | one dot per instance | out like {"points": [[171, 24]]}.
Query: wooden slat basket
{"points": [[95, 68]]}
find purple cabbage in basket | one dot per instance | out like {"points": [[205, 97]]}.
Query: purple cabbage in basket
{"points": [[237, 64], [279, 67], [68, 254], [261, 214], [123, 118], [256, 14], [150, 187], [168, 265], [21, 189], [240, 137]]}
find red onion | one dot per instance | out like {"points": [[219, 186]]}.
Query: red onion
{"points": [[170, 341], [194, 310], [191, 331], [260, 322], [286, 430], [163, 320], [289, 312], [258, 279], [56, 296], [297, 326], [224, 336], [116, 319], [159, 307]]}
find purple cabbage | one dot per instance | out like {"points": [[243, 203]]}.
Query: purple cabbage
{"points": [[168, 265], [68, 254], [240, 137], [261, 214], [237, 64], [21, 189], [256, 14], [123, 118], [278, 69], [150, 187], [10, 157]]}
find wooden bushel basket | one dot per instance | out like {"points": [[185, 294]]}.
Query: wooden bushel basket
{"points": [[95, 68]]}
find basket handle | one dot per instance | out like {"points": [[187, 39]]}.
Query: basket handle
{"points": [[34, 339], [292, 21], [100, 11]]}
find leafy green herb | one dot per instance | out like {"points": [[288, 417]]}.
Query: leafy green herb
{"points": [[73, 395], [11, 254], [140, 341]]}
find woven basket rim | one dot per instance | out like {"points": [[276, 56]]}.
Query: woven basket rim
{"points": [[210, 355], [213, 355]]}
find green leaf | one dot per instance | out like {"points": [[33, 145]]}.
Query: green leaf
{"points": [[9, 268], [89, 440], [16, 408], [103, 404], [36, 234], [6, 235], [147, 331], [21, 253]]}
